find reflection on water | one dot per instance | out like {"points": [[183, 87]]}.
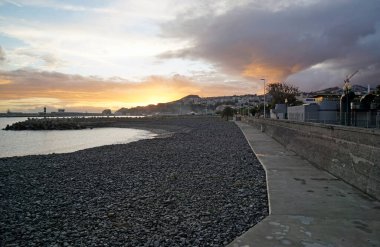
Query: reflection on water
{"points": [[19, 143]]}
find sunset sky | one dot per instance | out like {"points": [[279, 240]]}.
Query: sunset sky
{"points": [[93, 54]]}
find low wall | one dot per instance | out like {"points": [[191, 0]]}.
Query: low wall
{"points": [[349, 153]]}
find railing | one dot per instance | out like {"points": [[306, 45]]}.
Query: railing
{"points": [[364, 120]]}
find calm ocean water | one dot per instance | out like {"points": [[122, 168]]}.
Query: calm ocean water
{"points": [[20, 143]]}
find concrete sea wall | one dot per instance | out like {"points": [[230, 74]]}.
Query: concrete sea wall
{"points": [[349, 153]]}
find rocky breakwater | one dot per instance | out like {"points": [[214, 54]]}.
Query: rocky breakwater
{"points": [[48, 124], [202, 186]]}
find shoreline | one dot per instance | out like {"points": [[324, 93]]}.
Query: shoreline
{"points": [[147, 125], [202, 185], [29, 143]]}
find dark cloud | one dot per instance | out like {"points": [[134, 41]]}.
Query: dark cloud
{"points": [[342, 35], [2, 55]]}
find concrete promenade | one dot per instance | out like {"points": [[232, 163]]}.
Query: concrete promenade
{"points": [[308, 206]]}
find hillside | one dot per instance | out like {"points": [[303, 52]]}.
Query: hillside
{"points": [[185, 105], [191, 104], [339, 90]]}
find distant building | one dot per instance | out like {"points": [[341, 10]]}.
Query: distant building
{"points": [[309, 100], [366, 111], [279, 112], [328, 111], [306, 112], [322, 108], [61, 110]]}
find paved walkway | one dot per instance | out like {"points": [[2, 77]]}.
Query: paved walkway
{"points": [[308, 206]]}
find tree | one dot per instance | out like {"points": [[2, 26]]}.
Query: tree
{"points": [[107, 112], [227, 112], [281, 92], [257, 110]]}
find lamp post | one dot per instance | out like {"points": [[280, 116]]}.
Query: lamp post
{"points": [[264, 98], [346, 90], [286, 104]]}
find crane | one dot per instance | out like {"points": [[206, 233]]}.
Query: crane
{"points": [[346, 99], [347, 86], [348, 78]]}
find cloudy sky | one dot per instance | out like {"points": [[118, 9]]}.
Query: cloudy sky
{"points": [[95, 54]]}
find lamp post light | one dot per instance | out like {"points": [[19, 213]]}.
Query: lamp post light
{"points": [[264, 98]]}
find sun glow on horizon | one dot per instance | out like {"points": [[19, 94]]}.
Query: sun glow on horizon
{"points": [[31, 90]]}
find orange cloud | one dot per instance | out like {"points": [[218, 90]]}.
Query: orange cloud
{"points": [[28, 90], [270, 72], [4, 81]]}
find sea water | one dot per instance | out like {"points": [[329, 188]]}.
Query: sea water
{"points": [[27, 142]]}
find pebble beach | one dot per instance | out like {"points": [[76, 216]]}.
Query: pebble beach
{"points": [[198, 185]]}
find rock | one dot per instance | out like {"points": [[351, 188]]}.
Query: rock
{"points": [[188, 189]]}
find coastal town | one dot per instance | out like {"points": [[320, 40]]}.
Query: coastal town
{"points": [[322, 106]]}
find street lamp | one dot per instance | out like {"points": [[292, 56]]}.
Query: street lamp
{"points": [[264, 98], [286, 103]]}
